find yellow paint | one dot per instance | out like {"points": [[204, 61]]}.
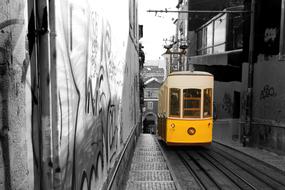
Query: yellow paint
{"points": [[179, 133]]}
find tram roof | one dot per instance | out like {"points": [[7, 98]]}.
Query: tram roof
{"points": [[196, 73]]}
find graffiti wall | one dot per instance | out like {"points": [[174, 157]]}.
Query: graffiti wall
{"points": [[16, 161], [269, 92], [226, 111], [224, 100], [90, 50], [97, 88], [268, 124]]}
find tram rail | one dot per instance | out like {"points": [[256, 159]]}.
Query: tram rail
{"points": [[222, 168]]}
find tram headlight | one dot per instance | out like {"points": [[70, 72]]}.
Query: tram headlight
{"points": [[191, 131], [172, 125]]}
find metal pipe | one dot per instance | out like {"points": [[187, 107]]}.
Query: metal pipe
{"points": [[194, 11], [247, 133], [43, 63]]}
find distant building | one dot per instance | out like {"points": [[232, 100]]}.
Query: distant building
{"points": [[151, 91], [149, 72], [153, 77]]}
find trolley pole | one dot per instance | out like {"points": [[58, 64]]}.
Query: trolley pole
{"points": [[247, 132]]}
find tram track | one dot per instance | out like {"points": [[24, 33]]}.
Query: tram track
{"points": [[201, 178], [269, 176], [215, 168]]}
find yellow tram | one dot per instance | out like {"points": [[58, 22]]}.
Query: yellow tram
{"points": [[185, 108]]}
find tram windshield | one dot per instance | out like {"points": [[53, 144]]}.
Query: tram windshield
{"points": [[174, 102], [191, 103], [207, 103]]}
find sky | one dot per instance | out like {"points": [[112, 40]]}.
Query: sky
{"points": [[156, 27]]}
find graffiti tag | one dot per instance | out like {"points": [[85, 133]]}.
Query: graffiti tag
{"points": [[267, 91], [227, 103], [270, 34]]}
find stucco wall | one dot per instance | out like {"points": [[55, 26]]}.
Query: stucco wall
{"points": [[15, 160]]}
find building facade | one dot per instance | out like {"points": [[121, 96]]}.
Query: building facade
{"points": [[151, 92], [153, 78], [268, 86], [249, 90], [215, 45]]}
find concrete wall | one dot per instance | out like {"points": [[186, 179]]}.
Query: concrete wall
{"points": [[224, 98], [268, 116], [269, 103], [16, 163], [226, 127], [226, 130]]}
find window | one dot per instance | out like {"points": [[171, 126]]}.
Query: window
{"points": [[209, 38], [282, 32], [207, 103], [212, 37], [222, 33], [155, 93], [235, 32], [199, 41], [202, 41], [174, 102], [150, 105], [191, 103], [149, 93]]}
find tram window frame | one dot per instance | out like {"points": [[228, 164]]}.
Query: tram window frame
{"points": [[193, 109], [282, 33], [210, 110], [171, 113]]}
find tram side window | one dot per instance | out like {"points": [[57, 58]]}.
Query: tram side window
{"points": [[191, 103], [174, 102], [207, 102]]}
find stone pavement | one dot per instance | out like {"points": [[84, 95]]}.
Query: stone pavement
{"points": [[149, 169]]}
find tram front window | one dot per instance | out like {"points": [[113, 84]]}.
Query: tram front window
{"points": [[174, 102], [191, 103], [207, 103]]}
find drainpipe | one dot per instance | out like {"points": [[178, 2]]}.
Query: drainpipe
{"points": [[43, 63], [248, 128], [56, 178]]}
